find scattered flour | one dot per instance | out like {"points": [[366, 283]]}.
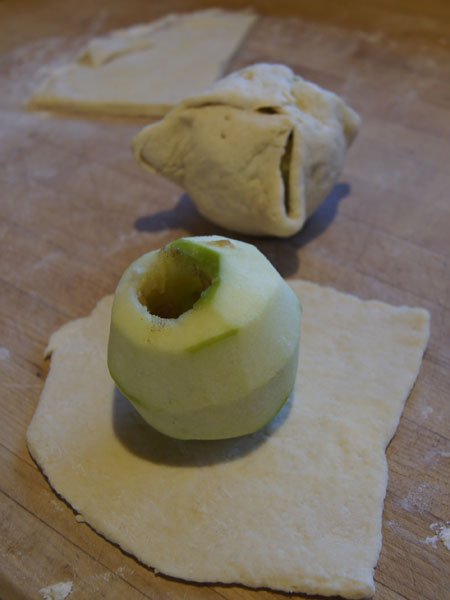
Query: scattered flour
{"points": [[124, 571], [435, 454], [4, 353], [418, 499], [426, 411], [57, 591], [442, 533], [106, 576], [433, 540], [57, 505], [370, 37]]}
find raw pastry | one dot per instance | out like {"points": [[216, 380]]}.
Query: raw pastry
{"points": [[295, 507], [147, 69], [257, 152]]}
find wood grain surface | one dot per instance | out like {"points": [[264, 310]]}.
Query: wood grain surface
{"points": [[75, 209]]}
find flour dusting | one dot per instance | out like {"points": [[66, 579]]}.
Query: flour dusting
{"points": [[442, 533], [4, 353], [57, 591], [426, 411]]}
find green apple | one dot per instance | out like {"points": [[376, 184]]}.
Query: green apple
{"points": [[204, 338]]}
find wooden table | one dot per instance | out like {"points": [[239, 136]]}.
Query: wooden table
{"points": [[76, 209]]}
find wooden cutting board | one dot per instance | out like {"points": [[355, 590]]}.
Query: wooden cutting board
{"points": [[75, 209]]}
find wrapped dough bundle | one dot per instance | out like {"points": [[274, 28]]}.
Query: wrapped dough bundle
{"points": [[257, 152]]}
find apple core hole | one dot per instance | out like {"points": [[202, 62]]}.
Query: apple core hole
{"points": [[173, 285]]}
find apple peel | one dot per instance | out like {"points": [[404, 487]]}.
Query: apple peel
{"points": [[294, 507]]}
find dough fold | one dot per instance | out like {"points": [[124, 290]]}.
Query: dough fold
{"points": [[257, 152]]}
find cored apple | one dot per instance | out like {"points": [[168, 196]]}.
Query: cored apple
{"points": [[204, 338]]}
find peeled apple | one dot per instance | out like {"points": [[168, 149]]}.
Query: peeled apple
{"points": [[204, 338]]}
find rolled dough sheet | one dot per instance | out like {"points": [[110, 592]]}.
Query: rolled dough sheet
{"points": [[147, 69], [295, 507]]}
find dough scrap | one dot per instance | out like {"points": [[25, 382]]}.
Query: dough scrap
{"points": [[147, 69], [295, 507], [257, 152]]}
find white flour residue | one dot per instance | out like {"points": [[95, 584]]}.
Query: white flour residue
{"points": [[48, 258], [96, 581], [434, 454], [426, 411], [370, 37], [106, 576], [28, 61], [124, 571], [445, 537], [57, 505], [57, 591], [417, 499], [442, 533], [4, 353]]}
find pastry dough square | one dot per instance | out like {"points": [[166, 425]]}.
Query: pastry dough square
{"points": [[294, 507], [147, 69]]}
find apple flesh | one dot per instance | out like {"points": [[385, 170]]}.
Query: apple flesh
{"points": [[204, 338]]}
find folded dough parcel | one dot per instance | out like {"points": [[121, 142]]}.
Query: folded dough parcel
{"points": [[257, 152]]}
